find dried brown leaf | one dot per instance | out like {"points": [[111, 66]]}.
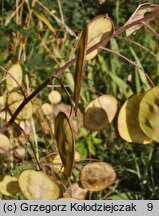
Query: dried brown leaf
{"points": [[139, 13]]}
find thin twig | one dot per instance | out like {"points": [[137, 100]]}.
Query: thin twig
{"points": [[14, 13], [123, 57], [61, 12], [68, 29], [151, 29], [142, 47], [128, 60]]}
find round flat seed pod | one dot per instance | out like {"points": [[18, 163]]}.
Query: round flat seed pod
{"points": [[16, 72], [75, 191], [65, 142], [100, 112], [97, 176], [99, 28], [149, 113], [36, 185], [47, 108], [128, 121], [54, 97], [14, 100], [4, 144], [9, 185]]}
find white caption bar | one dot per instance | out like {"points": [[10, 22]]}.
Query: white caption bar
{"points": [[83, 208]]}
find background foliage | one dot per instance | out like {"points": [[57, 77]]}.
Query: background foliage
{"points": [[41, 52]]}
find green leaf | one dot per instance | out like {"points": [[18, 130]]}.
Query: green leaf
{"points": [[141, 73], [91, 148], [82, 149]]}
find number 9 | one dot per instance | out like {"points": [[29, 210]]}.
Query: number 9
{"points": [[149, 206]]}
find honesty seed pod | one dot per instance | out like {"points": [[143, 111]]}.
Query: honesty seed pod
{"points": [[65, 142], [128, 120], [97, 176], [149, 113], [36, 185], [100, 112]]}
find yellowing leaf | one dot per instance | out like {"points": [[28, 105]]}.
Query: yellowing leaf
{"points": [[149, 113], [16, 72], [100, 112], [43, 19], [99, 28], [14, 100], [9, 185], [80, 66], [139, 13], [65, 142], [36, 185], [97, 176], [128, 120]]}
